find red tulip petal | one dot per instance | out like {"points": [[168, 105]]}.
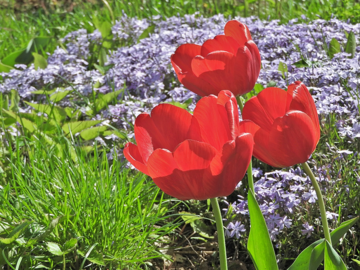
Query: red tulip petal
{"points": [[214, 61], [183, 173], [274, 101], [256, 61], [244, 78], [197, 85], [167, 127], [214, 125], [292, 139], [237, 30], [231, 164], [303, 101], [132, 154], [219, 43], [254, 111], [183, 56]]}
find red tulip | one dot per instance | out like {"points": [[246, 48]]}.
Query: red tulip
{"points": [[197, 156], [285, 125], [227, 62]]}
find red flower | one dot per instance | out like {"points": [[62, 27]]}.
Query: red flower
{"points": [[285, 125], [197, 156], [227, 62]]}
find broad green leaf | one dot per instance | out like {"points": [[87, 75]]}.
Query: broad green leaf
{"points": [[301, 63], [23, 121], [5, 68], [102, 57], [93, 257], [259, 244], [38, 43], [78, 126], [317, 256], [334, 47], [105, 29], [42, 123], [189, 217], [69, 245], [201, 228], [147, 32], [121, 135], [283, 68], [103, 69], [15, 233], [56, 97], [357, 261], [258, 88], [43, 92], [52, 111], [332, 260], [39, 61], [48, 230], [303, 260], [54, 249], [351, 44], [103, 100], [91, 133], [10, 60], [341, 230], [15, 99]]}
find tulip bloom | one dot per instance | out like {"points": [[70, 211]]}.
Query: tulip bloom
{"points": [[285, 125], [197, 156], [227, 62]]}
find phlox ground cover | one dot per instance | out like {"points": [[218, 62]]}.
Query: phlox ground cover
{"points": [[105, 79]]}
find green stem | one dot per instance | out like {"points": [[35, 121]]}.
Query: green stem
{"points": [[249, 170], [221, 235], [320, 201]]}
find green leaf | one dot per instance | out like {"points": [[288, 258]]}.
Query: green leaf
{"points": [[42, 123], [105, 29], [39, 61], [258, 88], [69, 245], [78, 126], [93, 257], [334, 47], [332, 260], [91, 133], [147, 32], [10, 60], [259, 244], [303, 260], [24, 122], [283, 68], [58, 113], [15, 233], [341, 230], [5, 68], [357, 261], [301, 63], [351, 44], [271, 84], [103, 100], [15, 99], [103, 69], [43, 92], [102, 57], [201, 228], [121, 135], [178, 104], [54, 249], [56, 97], [48, 230], [317, 256], [189, 217]]}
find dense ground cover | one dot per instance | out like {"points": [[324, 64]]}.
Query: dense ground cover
{"points": [[129, 60]]}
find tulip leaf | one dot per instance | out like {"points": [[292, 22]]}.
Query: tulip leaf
{"points": [[334, 47], [283, 69], [5, 68], [317, 256], [341, 230], [351, 44], [332, 260], [259, 244], [303, 260], [39, 61]]}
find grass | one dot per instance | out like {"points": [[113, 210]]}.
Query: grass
{"points": [[75, 213]]}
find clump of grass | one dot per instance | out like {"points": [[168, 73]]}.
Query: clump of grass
{"points": [[65, 214]]}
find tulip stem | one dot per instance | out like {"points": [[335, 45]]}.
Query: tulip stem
{"points": [[320, 201], [249, 170], [221, 235]]}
